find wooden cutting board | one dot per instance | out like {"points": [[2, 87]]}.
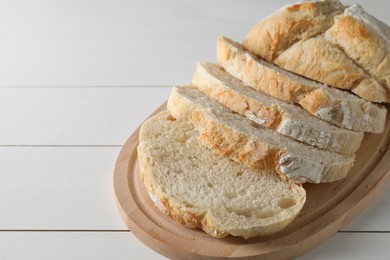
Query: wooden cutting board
{"points": [[328, 208]]}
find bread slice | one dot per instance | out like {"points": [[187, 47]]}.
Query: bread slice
{"points": [[301, 21], [203, 190], [233, 136], [332, 105], [287, 119], [366, 41]]}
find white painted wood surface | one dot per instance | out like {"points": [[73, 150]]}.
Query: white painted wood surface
{"points": [[75, 116], [58, 144], [122, 42]]}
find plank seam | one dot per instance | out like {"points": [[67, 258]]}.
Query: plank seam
{"points": [[128, 231], [86, 87], [67, 230], [60, 145]]}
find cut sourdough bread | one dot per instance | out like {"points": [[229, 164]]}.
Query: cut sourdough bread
{"points": [[332, 105], [287, 119], [342, 47], [203, 190], [233, 136]]}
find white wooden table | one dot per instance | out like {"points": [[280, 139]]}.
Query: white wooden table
{"points": [[77, 78]]}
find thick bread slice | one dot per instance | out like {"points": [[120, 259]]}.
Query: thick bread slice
{"points": [[321, 60], [332, 105], [203, 190], [232, 135], [365, 40], [301, 21], [285, 118]]}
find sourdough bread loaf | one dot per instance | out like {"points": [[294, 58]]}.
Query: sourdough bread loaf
{"points": [[329, 104], [301, 21], [366, 41], [287, 119], [200, 189], [343, 47], [229, 134]]}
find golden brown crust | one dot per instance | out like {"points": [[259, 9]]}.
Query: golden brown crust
{"points": [[273, 41], [368, 49], [184, 217], [305, 7], [220, 138], [276, 33], [352, 28], [271, 82], [271, 115], [354, 55], [320, 60], [277, 163], [328, 64], [374, 93], [313, 101]]}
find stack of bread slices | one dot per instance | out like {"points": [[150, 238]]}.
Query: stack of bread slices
{"points": [[288, 106]]}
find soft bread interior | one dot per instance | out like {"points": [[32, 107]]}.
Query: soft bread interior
{"points": [[203, 190]]}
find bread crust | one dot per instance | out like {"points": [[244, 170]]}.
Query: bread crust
{"points": [[273, 35], [267, 80], [187, 218], [354, 53], [215, 136], [271, 116], [320, 60], [368, 46]]}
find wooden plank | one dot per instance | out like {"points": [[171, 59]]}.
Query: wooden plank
{"points": [[75, 116], [113, 245], [58, 188], [73, 245], [139, 42], [352, 246]]}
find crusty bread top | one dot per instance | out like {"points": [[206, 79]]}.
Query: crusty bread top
{"points": [[321, 60], [274, 34], [203, 190], [366, 41], [342, 47], [287, 119]]}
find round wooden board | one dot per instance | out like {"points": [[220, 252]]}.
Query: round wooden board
{"points": [[328, 208]]}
